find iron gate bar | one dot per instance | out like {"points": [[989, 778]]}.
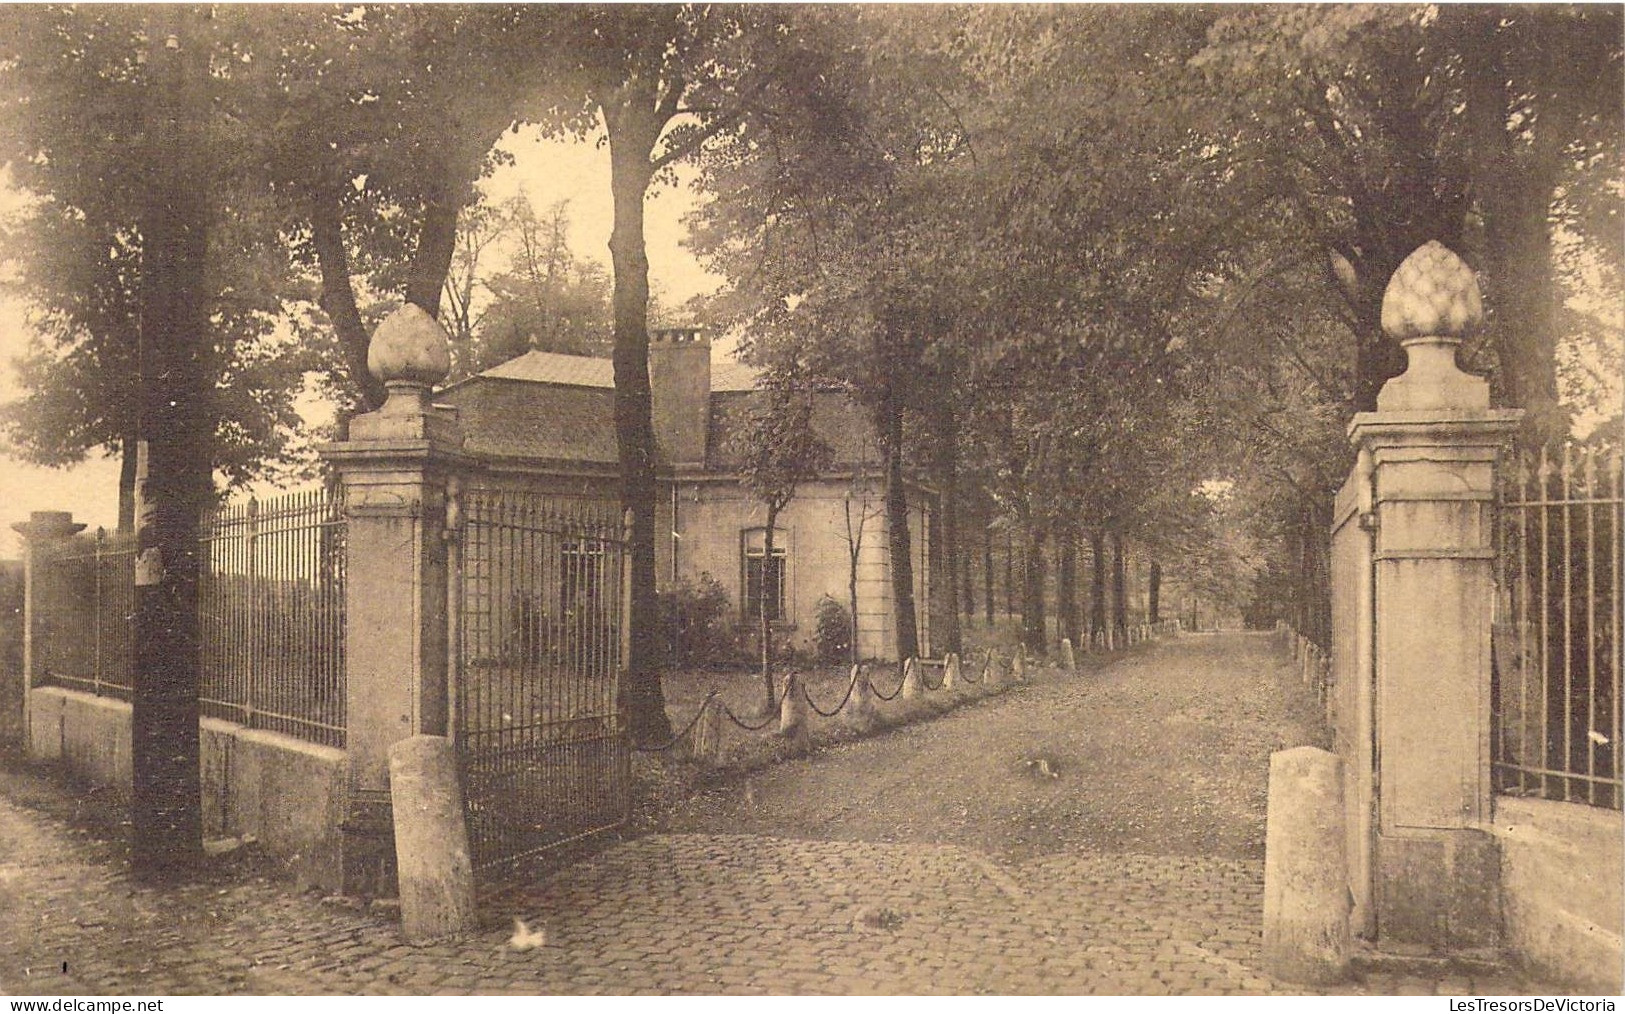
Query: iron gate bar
{"points": [[541, 744]]}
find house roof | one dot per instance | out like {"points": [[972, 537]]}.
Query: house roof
{"points": [[589, 371]]}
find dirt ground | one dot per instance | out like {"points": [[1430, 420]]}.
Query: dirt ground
{"points": [[1163, 750]]}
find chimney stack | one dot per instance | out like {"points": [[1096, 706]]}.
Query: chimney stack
{"points": [[680, 385]]}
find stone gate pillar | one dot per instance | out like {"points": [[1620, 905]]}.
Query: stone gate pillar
{"points": [[44, 535], [395, 467], [1432, 446]]}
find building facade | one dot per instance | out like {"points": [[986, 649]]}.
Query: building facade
{"points": [[545, 422]]}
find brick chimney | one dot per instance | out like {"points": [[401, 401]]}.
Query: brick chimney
{"points": [[680, 382]]}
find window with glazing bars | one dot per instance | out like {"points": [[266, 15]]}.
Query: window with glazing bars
{"points": [[758, 567]]}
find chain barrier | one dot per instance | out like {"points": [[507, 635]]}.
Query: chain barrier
{"points": [[851, 684], [902, 678], [926, 682], [772, 712], [987, 662], [678, 737]]}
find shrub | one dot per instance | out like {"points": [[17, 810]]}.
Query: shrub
{"points": [[833, 636], [696, 620]]}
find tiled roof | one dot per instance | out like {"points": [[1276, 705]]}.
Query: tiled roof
{"points": [[556, 368], [588, 371]]}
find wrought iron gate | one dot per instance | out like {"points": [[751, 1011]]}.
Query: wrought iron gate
{"points": [[539, 585]]}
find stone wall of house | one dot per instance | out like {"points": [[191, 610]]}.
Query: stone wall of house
{"points": [[704, 530]]}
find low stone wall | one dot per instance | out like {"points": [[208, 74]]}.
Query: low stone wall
{"points": [[287, 793], [1562, 865]]}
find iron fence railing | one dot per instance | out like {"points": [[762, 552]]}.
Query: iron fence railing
{"points": [[271, 615], [1557, 641], [84, 633]]}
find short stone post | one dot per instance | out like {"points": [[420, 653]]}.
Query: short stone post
{"points": [[44, 534], [793, 709], [1068, 659], [1433, 444], [706, 740], [990, 674], [912, 689], [396, 468], [950, 672], [1018, 667], [1306, 896], [860, 705], [435, 871]]}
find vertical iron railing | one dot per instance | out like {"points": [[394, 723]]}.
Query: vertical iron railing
{"points": [[1557, 627], [84, 638], [271, 615], [541, 742]]}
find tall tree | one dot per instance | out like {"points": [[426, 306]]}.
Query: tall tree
{"points": [[775, 451], [174, 427]]}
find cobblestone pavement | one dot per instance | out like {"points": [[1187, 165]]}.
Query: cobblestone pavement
{"points": [[703, 911]]}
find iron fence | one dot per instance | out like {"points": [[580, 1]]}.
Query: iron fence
{"points": [[538, 585], [84, 633], [271, 615], [1557, 649]]}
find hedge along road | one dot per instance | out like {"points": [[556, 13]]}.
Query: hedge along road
{"points": [[1162, 751]]}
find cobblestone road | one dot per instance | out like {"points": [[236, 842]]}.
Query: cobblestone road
{"points": [[848, 891]]}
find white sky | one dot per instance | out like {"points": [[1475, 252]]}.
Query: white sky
{"points": [[545, 171]]}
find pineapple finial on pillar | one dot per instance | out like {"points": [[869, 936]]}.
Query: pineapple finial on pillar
{"points": [[1432, 302]]}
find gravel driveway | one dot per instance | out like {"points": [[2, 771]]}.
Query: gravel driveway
{"points": [[1163, 751]]}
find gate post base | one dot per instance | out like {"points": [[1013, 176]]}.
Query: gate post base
{"points": [[367, 846], [1439, 890]]}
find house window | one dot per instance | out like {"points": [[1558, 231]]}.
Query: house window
{"points": [[583, 565], [759, 568]]}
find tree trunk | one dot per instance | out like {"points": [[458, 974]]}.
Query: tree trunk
{"points": [[1034, 629], [632, 133], [431, 261], [897, 535], [1066, 591], [1154, 592], [337, 297], [1097, 587], [764, 626], [854, 551], [129, 457], [177, 426], [967, 577], [1516, 181], [1119, 586], [948, 474], [1009, 575], [987, 573]]}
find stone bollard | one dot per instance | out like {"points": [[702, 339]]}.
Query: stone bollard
{"points": [[950, 672], [793, 709], [1068, 658], [912, 688], [706, 743], [990, 674], [1018, 667], [1306, 894], [435, 873], [860, 706]]}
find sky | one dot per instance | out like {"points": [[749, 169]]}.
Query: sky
{"points": [[545, 171]]}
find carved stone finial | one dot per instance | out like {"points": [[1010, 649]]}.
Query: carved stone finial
{"points": [[1432, 294], [1431, 303], [410, 349]]}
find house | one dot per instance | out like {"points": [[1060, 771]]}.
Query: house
{"points": [[545, 421]]}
